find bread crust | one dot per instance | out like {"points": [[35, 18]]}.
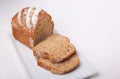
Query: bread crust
{"points": [[23, 38], [22, 33]]}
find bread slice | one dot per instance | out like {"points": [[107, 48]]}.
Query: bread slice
{"points": [[31, 25], [55, 48], [62, 67]]}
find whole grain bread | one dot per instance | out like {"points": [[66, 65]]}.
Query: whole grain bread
{"points": [[62, 67], [55, 48], [31, 25]]}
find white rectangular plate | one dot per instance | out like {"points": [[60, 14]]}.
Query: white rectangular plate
{"points": [[35, 72]]}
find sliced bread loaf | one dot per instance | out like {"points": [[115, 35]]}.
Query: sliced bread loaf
{"points": [[60, 68], [55, 48]]}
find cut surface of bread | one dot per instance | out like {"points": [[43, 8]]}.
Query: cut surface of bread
{"points": [[31, 25], [62, 67], [55, 48]]}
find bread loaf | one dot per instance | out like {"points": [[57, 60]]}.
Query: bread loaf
{"points": [[34, 27], [55, 48], [31, 25]]}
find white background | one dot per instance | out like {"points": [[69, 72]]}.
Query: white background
{"points": [[92, 25]]}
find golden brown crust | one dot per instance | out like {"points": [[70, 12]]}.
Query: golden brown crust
{"points": [[22, 38], [21, 33]]}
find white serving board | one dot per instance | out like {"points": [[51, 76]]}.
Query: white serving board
{"points": [[35, 72]]}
